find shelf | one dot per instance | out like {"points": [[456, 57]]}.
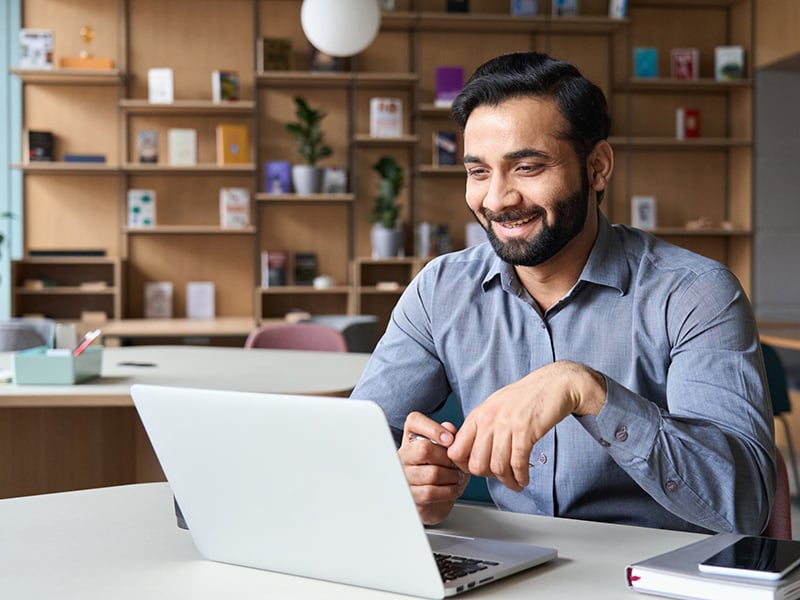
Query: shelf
{"points": [[365, 139], [504, 23], [69, 76], [309, 198], [679, 4], [69, 260], [428, 109], [334, 79], [201, 168], [67, 168], [187, 107], [442, 170], [661, 85], [188, 230], [303, 290], [64, 290], [376, 291], [671, 144]]}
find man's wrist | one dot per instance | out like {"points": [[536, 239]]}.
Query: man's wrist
{"points": [[592, 395]]}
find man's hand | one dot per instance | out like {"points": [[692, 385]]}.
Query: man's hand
{"points": [[497, 437], [434, 480]]}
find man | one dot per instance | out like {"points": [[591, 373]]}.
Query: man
{"points": [[605, 374]]}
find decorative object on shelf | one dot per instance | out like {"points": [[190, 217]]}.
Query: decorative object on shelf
{"points": [[85, 59], [386, 235], [687, 123], [233, 144], [385, 117], [273, 268], [728, 62], [645, 62], [524, 8], [445, 148], [334, 181], [388, 4], [158, 300], [273, 54], [160, 86], [234, 208], [141, 208], [341, 28], [685, 63], [307, 178], [277, 177], [39, 146], [200, 300], [449, 83], [320, 61], [305, 268], [35, 48], [617, 9], [182, 147], [565, 8], [225, 86], [74, 157], [147, 146], [323, 282], [458, 6], [643, 212]]}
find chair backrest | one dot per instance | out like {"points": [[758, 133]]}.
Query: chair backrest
{"points": [[297, 336], [780, 519], [360, 331], [21, 334], [776, 379]]}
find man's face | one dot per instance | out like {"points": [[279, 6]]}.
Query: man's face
{"points": [[525, 184]]}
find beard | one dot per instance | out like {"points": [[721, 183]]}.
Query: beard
{"points": [[569, 218]]}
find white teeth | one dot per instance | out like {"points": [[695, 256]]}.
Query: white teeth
{"points": [[512, 224]]}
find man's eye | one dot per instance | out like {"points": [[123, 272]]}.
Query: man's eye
{"points": [[529, 168], [476, 172]]}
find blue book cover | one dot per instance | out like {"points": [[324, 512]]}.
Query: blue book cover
{"points": [[645, 62], [85, 158], [277, 177]]}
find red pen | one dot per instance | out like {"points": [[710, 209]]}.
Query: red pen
{"points": [[87, 340]]}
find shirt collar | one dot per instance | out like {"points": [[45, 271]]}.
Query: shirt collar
{"points": [[606, 264]]}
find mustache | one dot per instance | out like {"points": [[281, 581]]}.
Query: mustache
{"points": [[508, 216]]}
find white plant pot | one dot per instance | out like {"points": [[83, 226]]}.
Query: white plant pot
{"points": [[307, 179], [386, 243]]}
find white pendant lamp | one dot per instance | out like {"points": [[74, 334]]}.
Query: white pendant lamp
{"points": [[340, 27]]}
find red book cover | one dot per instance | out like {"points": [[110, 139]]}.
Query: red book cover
{"points": [[685, 63], [687, 123]]}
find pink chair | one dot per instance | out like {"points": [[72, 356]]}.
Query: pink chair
{"points": [[780, 521], [297, 336]]}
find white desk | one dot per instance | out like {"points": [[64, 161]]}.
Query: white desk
{"points": [[123, 543], [58, 438]]}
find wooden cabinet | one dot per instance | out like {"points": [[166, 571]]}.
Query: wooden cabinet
{"points": [[102, 112]]}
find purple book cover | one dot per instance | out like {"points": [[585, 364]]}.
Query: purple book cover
{"points": [[449, 82], [277, 177]]}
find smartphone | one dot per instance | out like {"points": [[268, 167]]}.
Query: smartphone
{"points": [[756, 557]]}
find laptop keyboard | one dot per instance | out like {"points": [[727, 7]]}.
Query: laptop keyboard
{"points": [[452, 567]]}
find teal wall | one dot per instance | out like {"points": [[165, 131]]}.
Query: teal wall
{"points": [[10, 147]]}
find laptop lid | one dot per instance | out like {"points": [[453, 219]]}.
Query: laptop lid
{"points": [[304, 485]]}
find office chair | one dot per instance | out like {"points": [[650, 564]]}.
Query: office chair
{"points": [[360, 331], [297, 336], [21, 334], [778, 391], [780, 519]]}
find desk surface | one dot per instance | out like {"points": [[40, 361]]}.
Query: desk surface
{"points": [[148, 328], [283, 371], [122, 542]]}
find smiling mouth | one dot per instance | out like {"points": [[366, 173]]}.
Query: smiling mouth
{"points": [[514, 224]]}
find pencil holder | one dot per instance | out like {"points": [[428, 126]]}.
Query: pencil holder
{"points": [[36, 366]]}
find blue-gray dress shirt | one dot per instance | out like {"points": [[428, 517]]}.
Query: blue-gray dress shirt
{"points": [[685, 439]]}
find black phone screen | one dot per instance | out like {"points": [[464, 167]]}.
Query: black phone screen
{"points": [[762, 554]]}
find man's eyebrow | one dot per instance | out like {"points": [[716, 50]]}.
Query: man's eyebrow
{"points": [[515, 155]]}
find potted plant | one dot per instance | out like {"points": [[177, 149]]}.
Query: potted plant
{"points": [[386, 235], [307, 177]]}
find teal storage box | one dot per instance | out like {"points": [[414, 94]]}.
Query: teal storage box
{"points": [[36, 367]]}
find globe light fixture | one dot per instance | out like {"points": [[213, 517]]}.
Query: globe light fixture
{"points": [[340, 27]]}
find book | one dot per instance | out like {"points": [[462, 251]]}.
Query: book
{"points": [[524, 8], [385, 117], [73, 157], [643, 212], [233, 144], [39, 146], [687, 123], [273, 54], [458, 6], [277, 177], [160, 86], [685, 63], [305, 268], [728, 62], [35, 48], [158, 300], [334, 180], [617, 9], [565, 8], [234, 208], [445, 148], [224, 86], [147, 146], [200, 300], [675, 574], [182, 147], [645, 62], [141, 208], [273, 268], [449, 83]]}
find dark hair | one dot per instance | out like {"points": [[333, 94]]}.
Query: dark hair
{"points": [[581, 102]]}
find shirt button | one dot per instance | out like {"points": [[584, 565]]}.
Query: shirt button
{"points": [[542, 459], [671, 485], [604, 443], [621, 435]]}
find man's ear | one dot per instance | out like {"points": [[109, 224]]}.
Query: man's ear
{"points": [[600, 165]]}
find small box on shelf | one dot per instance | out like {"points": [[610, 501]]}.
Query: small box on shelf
{"points": [[233, 144], [458, 6], [158, 300], [687, 123], [305, 268], [643, 212], [35, 48], [728, 63], [160, 86], [147, 146], [39, 146], [141, 208], [524, 8], [385, 117], [449, 83], [273, 54], [274, 265], [685, 63], [224, 86], [445, 148], [182, 147], [234, 208], [334, 180], [565, 8], [645, 62], [200, 300], [277, 177], [617, 9]]}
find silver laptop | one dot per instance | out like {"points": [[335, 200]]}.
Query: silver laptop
{"points": [[310, 486]]}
